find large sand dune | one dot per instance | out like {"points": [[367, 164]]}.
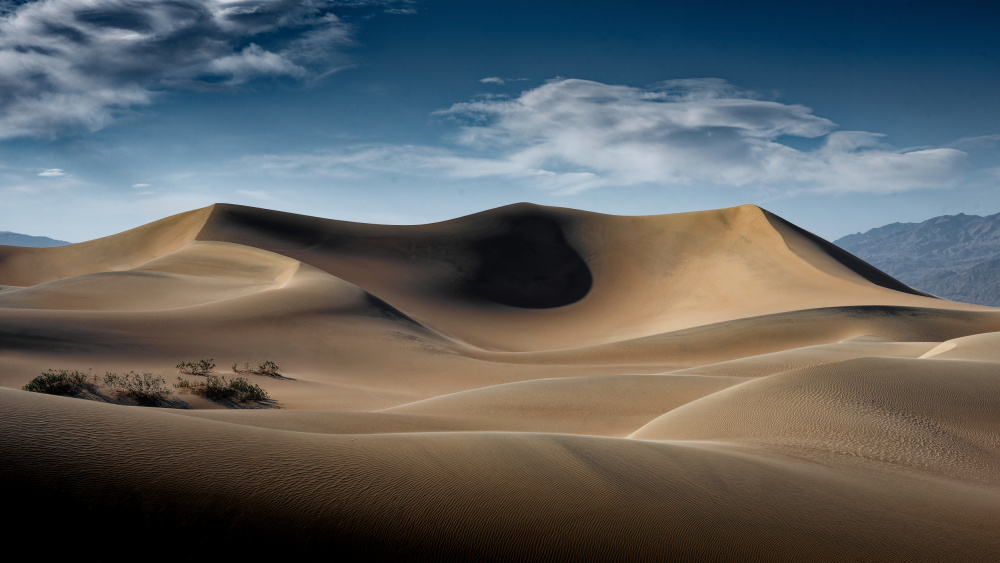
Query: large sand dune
{"points": [[526, 382]]}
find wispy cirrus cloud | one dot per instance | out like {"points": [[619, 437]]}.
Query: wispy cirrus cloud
{"points": [[498, 80], [571, 135], [71, 65], [980, 142]]}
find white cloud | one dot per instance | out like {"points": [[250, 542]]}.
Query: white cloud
{"points": [[571, 135], [498, 80], [53, 173], [140, 186], [71, 65], [853, 161], [253, 61]]}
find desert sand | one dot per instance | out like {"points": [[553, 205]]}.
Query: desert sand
{"points": [[523, 383]]}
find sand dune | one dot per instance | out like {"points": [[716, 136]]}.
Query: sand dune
{"points": [[526, 382], [915, 413], [195, 274], [525, 278], [982, 347], [608, 405], [493, 496], [23, 266]]}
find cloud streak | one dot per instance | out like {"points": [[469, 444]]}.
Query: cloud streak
{"points": [[571, 135], [499, 81], [72, 65]]}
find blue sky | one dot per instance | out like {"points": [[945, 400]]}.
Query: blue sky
{"points": [[838, 116]]}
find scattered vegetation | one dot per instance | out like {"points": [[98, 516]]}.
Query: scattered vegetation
{"points": [[266, 368], [61, 382], [145, 388], [218, 389], [203, 367], [150, 389]]}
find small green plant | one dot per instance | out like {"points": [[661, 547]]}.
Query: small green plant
{"points": [[203, 367], [60, 382], [145, 388], [265, 368]]}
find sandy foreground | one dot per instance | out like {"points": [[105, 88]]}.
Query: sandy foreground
{"points": [[523, 383]]}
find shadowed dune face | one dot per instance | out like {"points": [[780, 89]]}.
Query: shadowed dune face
{"points": [[800, 239], [519, 258], [522, 383], [528, 263]]}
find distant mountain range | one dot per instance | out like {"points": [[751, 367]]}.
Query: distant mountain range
{"points": [[953, 256], [17, 239]]}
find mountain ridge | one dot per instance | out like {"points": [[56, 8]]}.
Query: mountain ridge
{"points": [[949, 255], [9, 238]]}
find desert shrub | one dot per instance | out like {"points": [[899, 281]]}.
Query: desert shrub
{"points": [[203, 367], [214, 388], [146, 388], [246, 392], [206, 366], [59, 382], [266, 368], [218, 389]]}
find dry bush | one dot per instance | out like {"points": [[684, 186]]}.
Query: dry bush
{"points": [[218, 389], [145, 388], [203, 367], [266, 368], [60, 382]]}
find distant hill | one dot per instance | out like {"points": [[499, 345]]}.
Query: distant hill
{"points": [[952, 256], [17, 239]]}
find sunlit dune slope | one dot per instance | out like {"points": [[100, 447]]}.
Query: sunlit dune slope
{"points": [[610, 405], [196, 273], [21, 266], [937, 416]]}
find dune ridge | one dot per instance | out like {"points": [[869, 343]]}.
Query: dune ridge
{"points": [[524, 382]]}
